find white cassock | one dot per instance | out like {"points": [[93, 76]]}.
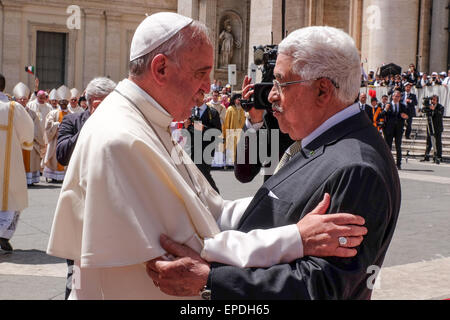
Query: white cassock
{"points": [[16, 133], [127, 184]]}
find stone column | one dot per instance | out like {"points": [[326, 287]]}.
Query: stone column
{"points": [[386, 25], [12, 64], [208, 15], [439, 36], [189, 8], [114, 46], [424, 36], [94, 45], [295, 15], [355, 21]]}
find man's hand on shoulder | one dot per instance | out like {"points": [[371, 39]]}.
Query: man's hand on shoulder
{"points": [[320, 232], [186, 275]]}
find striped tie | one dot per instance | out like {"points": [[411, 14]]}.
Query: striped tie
{"points": [[288, 154]]}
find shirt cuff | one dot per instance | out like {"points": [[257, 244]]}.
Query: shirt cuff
{"points": [[254, 126]]}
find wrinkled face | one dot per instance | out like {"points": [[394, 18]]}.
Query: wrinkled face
{"points": [[363, 98], [23, 101], [41, 98], [191, 80], [73, 102], [296, 110], [94, 102], [396, 97]]}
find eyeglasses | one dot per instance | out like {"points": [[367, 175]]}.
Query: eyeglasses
{"points": [[278, 86]]}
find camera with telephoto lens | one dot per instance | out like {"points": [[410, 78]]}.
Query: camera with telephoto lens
{"points": [[426, 102], [266, 57]]}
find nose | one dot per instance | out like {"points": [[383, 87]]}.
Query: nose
{"points": [[206, 85], [273, 95]]}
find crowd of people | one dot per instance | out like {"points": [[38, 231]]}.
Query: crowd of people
{"points": [[51, 118], [398, 81], [393, 116]]}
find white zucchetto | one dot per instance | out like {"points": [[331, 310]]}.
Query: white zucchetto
{"points": [[154, 31]]}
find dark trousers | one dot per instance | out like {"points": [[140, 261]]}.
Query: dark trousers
{"points": [[389, 137], [408, 127], [438, 150], [206, 170], [69, 278]]}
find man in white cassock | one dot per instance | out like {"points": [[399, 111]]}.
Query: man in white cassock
{"points": [[31, 158], [42, 109], [128, 182], [16, 133], [73, 103], [53, 170]]}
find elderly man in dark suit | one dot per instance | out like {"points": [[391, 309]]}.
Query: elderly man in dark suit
{"points": [[338, 151], [396, 114]]}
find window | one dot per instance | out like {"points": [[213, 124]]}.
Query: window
{"points": [[51, 59]]}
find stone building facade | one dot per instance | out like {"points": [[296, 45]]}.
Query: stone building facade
{"points": [[73, 41]]}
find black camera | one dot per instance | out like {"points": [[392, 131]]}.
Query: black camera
{"points": [[266, 57], [426, 102]]}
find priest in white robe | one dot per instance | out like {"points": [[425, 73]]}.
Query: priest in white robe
{"points": [[73, 102], [16, 133], [53, 170]]}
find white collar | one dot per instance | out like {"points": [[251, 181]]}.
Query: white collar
{"points": [[147, 97], [331, 122], [202, 108]]}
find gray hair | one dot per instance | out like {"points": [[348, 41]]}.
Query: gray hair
{"points": [[193, 33], [325, 52], [99, 88]]}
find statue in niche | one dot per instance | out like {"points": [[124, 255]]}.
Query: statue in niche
{"points": [[227, 43]]}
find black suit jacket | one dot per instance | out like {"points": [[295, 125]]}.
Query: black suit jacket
{"points": [[210, 120], [394, 121], [411, 107], [68, 132], [369, 111], [350, 161]]}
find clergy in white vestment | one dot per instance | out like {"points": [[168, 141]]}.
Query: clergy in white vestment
{"points": [[128, 181], [42, 109], [16, 134], [53, 99], [31, 158], [73, 102], [53, 170]]}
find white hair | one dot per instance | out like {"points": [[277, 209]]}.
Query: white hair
{"points": [[99, 88], [193, 33], [325, 52]]}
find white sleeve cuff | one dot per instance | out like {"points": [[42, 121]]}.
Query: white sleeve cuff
{"points": [[254, 126], [257, 248]]}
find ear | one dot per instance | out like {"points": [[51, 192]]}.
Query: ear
{"points": [[158, 69], [324, 88]]}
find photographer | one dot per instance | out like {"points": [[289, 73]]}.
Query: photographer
{"points": [[434, 112], [258, 121]]}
